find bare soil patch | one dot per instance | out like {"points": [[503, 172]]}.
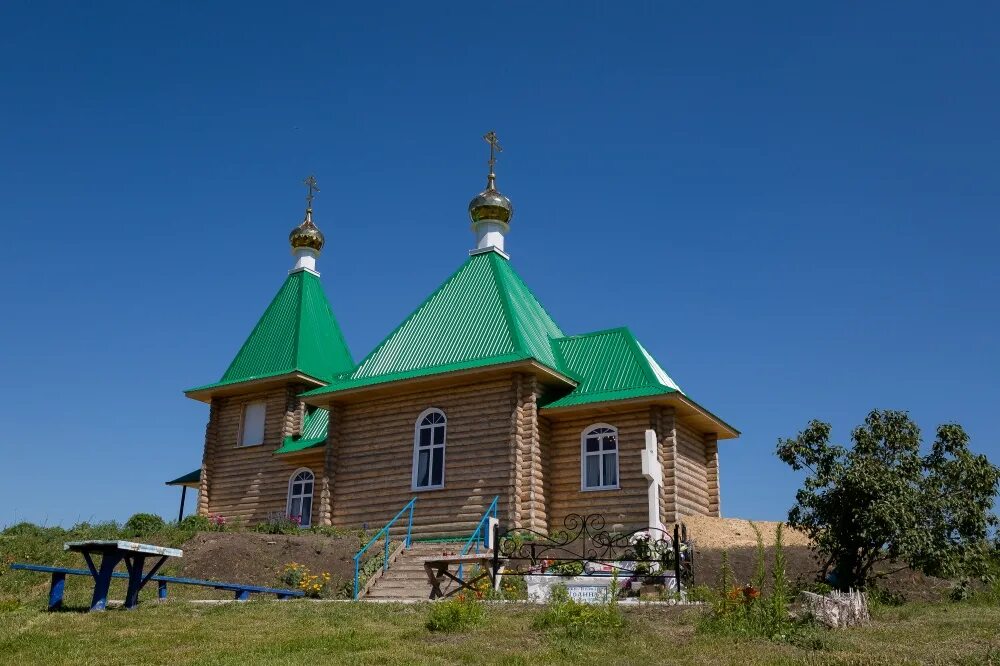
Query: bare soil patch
{"points": [[260, 559]]}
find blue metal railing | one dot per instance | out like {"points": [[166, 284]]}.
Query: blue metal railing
{"points": [[385, 531], [481, 533]]}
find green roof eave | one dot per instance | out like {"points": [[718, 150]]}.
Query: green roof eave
{"points": [[347, 384], [711, 422], [292, 445], [198, 392], [574, 398], [297, 335], [191, 479]]}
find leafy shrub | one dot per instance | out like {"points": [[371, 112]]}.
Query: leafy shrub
{"points": [[195, 523], [29, 530], [373, 564], [577, 620], [218, 523], [330, 531], [108, 529], [298, 576], [143, 524], [455, 614], [567, 568], [278, 523], [879, 597], [700, 594], [513, 588]]}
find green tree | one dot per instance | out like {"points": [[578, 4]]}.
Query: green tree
{"points": [[883, 501]]}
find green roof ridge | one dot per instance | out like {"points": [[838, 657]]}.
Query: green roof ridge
{"points": [[482, 314], [519, 341], [637, 348]]}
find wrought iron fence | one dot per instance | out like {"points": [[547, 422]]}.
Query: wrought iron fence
{"points": [[584, 546]]}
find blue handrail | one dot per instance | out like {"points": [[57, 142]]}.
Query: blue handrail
{"points": [[480, 531], [385, 531]]}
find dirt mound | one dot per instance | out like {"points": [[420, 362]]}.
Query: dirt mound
{"points": [[735, 532], [259, 559], [735, 536]]}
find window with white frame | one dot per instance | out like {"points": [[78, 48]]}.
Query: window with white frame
{"points": [[428, 450], [252, 423], [300, 496], [599, 457]]}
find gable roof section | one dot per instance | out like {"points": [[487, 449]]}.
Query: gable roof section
{"points": [[484, 314], [297, 333], [611, 365], [314, 431]]}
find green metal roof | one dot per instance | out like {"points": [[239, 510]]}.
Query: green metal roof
{"points": [[297, 333], [189, 479], [482, 315], [314, 431], [611, 365]]}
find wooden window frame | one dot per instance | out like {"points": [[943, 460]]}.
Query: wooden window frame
{"points": [[312, 496], [417, 427], [599, 454], [243, 418]]}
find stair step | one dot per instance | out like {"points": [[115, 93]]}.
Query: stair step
{"points": [[406, 578]]}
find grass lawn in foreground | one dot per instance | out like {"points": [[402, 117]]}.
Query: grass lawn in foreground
{"points": [[304, 632]]}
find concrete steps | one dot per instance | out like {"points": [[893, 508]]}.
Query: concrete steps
{"points": [[406, 579]]}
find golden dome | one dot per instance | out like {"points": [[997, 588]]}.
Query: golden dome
{"points": [[491, 205], [306, 234]]}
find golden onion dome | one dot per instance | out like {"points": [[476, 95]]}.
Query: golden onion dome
{"points": [[306, 234], [490, 204]]}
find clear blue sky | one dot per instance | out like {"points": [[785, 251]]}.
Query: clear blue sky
{"points": [[796, 209]]}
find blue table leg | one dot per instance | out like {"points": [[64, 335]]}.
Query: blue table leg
{"points": [[162, 591], [56, 589], [242, 595], [135, 565], [102, 582]]}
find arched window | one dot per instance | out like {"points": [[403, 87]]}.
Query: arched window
{"points": [[599, 457], [300, 496], [428, 450]]}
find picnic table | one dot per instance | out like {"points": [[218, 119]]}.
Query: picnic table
{"points": [[134, 556], [437, 569]]}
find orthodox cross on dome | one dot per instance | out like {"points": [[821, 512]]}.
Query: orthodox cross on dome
{"points": [[495, 147], [312, 186]]}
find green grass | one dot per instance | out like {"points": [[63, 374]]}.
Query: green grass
{"points": [[178, 633], [267, 631]]}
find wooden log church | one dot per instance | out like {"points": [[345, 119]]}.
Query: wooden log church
{"points": [[477, 394]]}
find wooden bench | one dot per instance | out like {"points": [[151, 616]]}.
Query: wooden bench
{"points": [[242, 592]]}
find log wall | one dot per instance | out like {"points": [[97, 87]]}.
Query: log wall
{"points": [[712, 463], [526, 441], [627, 506], [373, 474], [247, 484], [691, 472], [663, 421]]}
